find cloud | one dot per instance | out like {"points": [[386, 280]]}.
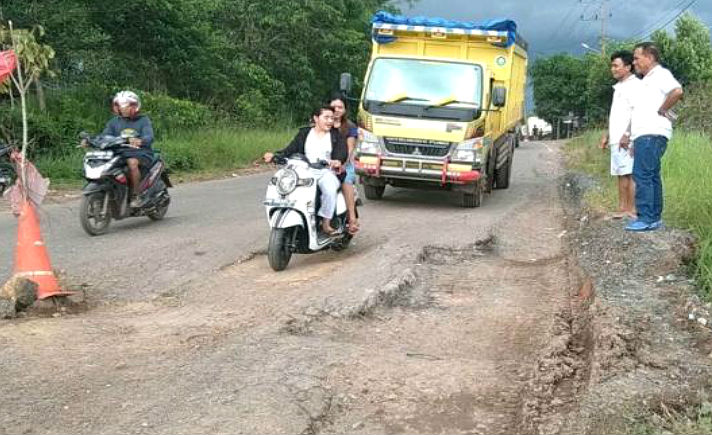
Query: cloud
{"points": [[553, 26]]}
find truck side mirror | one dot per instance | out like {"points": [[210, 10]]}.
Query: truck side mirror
{"points": [[345, 83], [499, 96]]}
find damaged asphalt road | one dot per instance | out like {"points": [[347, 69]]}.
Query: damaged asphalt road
{"points": [[437, 319]]}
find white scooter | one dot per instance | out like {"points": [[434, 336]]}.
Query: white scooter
{"points": [[292, 202]]}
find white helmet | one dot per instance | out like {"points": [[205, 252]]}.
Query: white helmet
{"points": [[126, 98]]}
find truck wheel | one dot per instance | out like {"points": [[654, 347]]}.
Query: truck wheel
{"points": [[503, 175], [472, 199], [373, 192], [489, 173]]}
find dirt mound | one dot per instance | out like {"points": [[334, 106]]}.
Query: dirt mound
{"points": [[629, 346]]}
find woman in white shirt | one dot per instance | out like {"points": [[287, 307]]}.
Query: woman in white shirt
{"points": [[321, 141]]}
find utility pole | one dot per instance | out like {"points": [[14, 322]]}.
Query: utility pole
{"points": [[602, 14]]}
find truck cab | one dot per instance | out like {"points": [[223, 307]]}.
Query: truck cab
{"points": [[440, 107]]}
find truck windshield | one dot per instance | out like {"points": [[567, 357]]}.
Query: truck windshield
{"points": [[455, 89]]}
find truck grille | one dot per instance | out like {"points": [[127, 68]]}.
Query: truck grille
{"points": [[417, 147]]}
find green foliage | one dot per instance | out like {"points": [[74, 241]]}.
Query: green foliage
{"points": [[189, 151], [564, 83], [687, 181], [692, 421], [87, 108], [252, 58], [688, 54], [694, 108], [598, 89], [221, 148], [559, 82], [168, 113], [34, 57]]}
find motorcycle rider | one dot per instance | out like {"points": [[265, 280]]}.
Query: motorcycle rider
{"points": [[321, 142], [130, 123]]}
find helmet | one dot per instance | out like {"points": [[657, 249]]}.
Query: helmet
{"points": [[126, 98]]}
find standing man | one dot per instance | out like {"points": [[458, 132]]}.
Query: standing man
{"points": [[624, 95], [651, 128]]}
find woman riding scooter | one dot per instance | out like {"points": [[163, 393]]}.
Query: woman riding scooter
{"points": [[321, 142]]}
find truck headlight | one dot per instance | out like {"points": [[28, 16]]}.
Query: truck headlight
{"points": [[368, 142], [287, 182], [471, 151]]}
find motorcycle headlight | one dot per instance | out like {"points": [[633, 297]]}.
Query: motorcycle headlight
{"points": [[471, 151], [368, 143], [287, 182]]}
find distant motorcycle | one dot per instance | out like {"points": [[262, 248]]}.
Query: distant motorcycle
{"points": [[291, 202], [106, 194]]}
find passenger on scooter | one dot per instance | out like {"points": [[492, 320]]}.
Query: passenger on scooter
{"points": [[349, 131], [321, 142], [129, 122]]}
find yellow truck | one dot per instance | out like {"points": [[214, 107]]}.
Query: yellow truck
{"points": [[441, 105]]}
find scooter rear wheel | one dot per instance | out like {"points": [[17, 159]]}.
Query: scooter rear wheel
{"points": [[279, 252], [90, 216]]}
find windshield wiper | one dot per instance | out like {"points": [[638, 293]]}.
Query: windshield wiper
{"points": [[398, 99], [448, 101]]}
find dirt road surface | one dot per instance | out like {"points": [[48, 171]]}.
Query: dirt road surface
{"points": [[433, 321]]}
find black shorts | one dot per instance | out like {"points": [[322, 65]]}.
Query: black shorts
{"points": [[144, 156]]}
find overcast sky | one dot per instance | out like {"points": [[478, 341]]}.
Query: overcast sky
{"points": [[553, 26]]}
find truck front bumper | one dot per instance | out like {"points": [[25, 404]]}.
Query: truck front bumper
{"points": [[436, 171]]}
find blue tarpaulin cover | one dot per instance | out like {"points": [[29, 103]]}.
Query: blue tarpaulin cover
{"points": [[497, 24]]}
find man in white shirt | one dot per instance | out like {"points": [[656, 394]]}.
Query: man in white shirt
{"points": [[651, 129], [624, 95]]}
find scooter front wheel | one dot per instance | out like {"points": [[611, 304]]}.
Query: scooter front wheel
{"points": [[91, 215], [160, 211], [279, 252]]}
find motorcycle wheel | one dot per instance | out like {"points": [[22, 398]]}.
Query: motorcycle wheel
{"points": [[278, 252], [90, 214], [160, 211]]}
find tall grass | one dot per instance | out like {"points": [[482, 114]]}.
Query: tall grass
{"points": [[220, 148], [693, 421], [206, 150], [687, 185]]}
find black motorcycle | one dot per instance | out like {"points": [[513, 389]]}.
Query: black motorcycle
{"points": [[7, 168], [107, 192]]}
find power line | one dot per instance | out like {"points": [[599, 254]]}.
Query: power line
{"points": [[602, 14], [563, 23], [641, 35], [662, 17]]}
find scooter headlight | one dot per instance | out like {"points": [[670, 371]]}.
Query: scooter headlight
{"points": [[287, 182]]}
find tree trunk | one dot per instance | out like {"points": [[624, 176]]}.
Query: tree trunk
{"points": [[41, 101]]}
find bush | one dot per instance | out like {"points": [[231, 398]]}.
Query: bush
{"points": [[694, 108], [170, 114], [687, 185], [88, 108]]}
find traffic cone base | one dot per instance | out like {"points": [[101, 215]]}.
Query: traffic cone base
{"points": [[32, 260]]}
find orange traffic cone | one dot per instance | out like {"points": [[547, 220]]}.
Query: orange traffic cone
{"points": [[31, 260]]}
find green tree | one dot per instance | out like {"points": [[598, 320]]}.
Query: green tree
{"points": [[688, 54], [559, 84], [254, 58]]}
